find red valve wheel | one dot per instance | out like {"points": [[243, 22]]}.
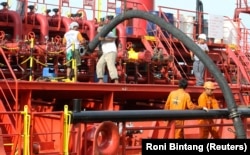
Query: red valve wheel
{"points": [[31, 35], [82, 13], [2, 35], [58, 39], [129, 45]]}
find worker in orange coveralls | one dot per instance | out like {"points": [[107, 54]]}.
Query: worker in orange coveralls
{"points": [[208, 100], [180, 100]]}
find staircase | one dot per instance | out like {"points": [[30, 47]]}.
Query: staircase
{"points": [[243, 63], [242, 6], [152, 42], [7, 128]]}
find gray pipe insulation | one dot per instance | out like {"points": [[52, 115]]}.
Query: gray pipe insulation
{"points": [[231, 105]]}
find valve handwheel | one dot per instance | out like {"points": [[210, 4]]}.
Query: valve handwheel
{"points": [[129, 45], [81, 12], [2, 35], [31, 35], [58, 39]]}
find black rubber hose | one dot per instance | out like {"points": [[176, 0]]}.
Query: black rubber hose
{"points": [[151, 115], [231, 105]]}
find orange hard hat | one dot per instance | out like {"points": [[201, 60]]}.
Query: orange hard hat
{"points": [[209, 85]]}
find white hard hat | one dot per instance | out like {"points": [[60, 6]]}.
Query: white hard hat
{"points": [[73, 24], [202, 36]]}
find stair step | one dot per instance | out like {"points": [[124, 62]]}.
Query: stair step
{"points": [[49, 152], [150, 38]]}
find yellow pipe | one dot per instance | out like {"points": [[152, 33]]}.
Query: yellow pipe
{"points": [[31, 66], [74, 66], [66, 125], [74, 69], [73, 47], [65, 134], [26, 130], [99, 9], [32, 43], [31, 58], [28, 133], [31, 61]]}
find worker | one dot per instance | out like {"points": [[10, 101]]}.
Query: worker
{"points": [[208, 100], [99, 28], [109, 55], [180, 100], [198, 66], [73, 38], [108, 58]]}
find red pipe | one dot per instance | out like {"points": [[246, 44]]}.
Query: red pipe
{"points": [[42, 19], [17, 23], [122, 35], [66, 22], [238, 11], [92, 30], [84, 17]]}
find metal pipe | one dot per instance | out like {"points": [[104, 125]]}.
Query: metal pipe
{"points": [[199, 17], [44, 26], [77, 105], [122, 35], [17, 22], [91, 26], [66, 130], [26, 131], [66, 22], [150, 115]]}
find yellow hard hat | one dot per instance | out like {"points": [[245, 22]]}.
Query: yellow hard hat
{"points": [[209, 85]]}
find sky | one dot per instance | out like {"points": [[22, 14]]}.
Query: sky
{"points": [[216, 7], [219, 7]]}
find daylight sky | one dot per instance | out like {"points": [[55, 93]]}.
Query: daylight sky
{"points": [[216, 7]]}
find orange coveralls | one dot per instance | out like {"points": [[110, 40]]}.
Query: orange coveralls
{"points": [[179, 100], [211, 103]]}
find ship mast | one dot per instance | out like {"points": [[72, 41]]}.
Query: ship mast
{"points": [[199, 17]]}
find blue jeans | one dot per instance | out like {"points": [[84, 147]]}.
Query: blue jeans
{"points": [[199, 69]]}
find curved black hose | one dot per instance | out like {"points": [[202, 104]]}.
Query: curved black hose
{"points": [[232, 108]]}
